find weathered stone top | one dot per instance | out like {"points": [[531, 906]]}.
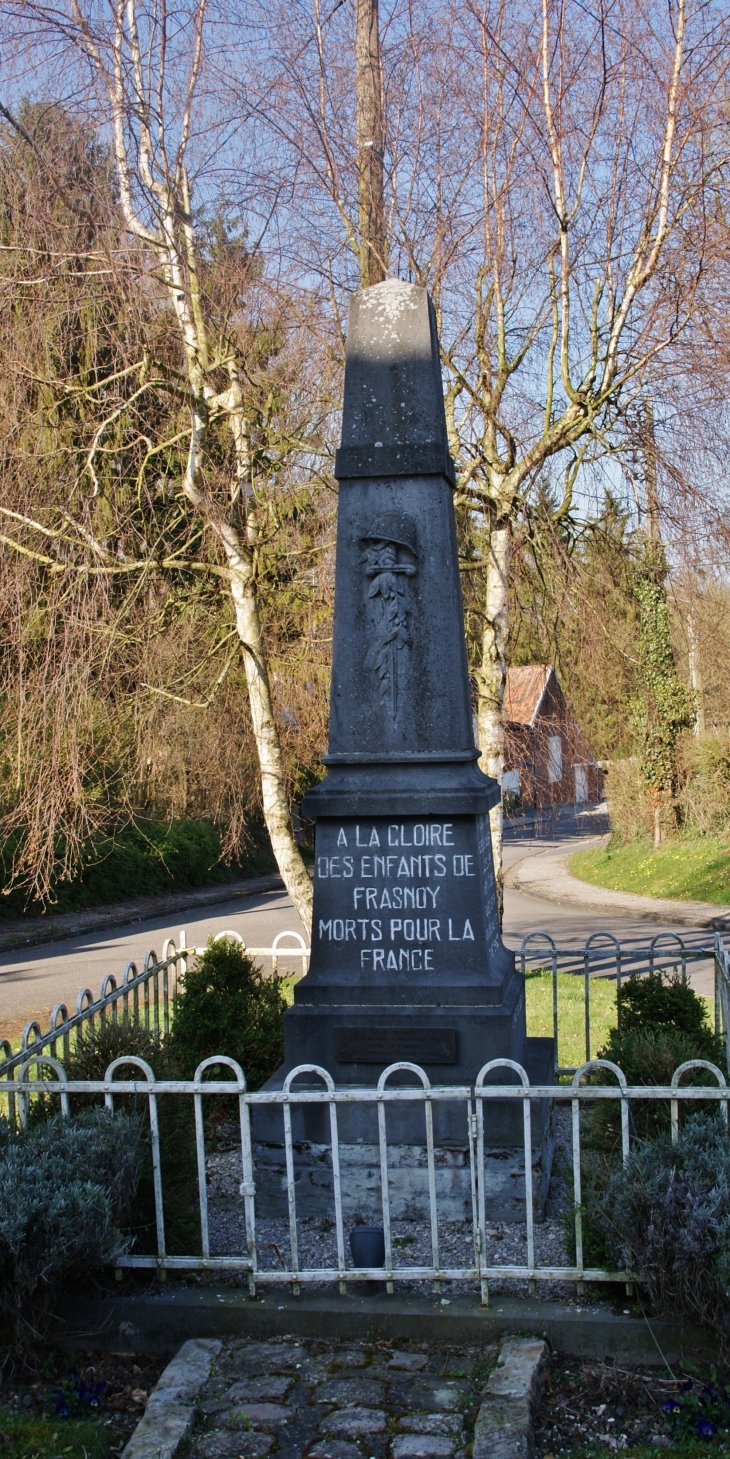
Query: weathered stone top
{"points": [[401, 733], [393, 419]]}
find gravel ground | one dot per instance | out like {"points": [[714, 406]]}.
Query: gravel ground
{"points": [[325, 1400], [316, 1237]]}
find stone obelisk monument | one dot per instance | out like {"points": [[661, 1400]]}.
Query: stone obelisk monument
{"points": [[407, 957]]}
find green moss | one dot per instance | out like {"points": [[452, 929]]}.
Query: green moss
{"points": [[686, 868]]}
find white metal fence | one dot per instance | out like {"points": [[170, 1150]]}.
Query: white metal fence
{"points": [[475, 1101], [604, 956], [146, 998], [722, 992]]}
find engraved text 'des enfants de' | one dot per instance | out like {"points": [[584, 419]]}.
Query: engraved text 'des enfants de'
{"points": [[389, 558]]}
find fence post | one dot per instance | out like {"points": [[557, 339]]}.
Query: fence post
{"points": [[718, 954], [181, 968]]}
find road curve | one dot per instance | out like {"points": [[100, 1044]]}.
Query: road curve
{"points": [[34, 979]]}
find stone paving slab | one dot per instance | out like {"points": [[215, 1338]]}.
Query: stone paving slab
{"points": [[329, 1400], [170, 1410]]}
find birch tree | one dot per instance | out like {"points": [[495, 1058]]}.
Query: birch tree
{"points": [[594, 175], [548, 175], [150, 104]]}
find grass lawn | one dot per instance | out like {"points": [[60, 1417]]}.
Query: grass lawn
{"points": [[687, 868], [571, 1018], [53, 1407], [45, 1437], [571, 1014]]}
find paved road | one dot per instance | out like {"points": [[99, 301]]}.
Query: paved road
{"points": [[33, 980]]}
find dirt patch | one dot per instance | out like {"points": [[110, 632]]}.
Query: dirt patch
{"points": [[594, 1405]]}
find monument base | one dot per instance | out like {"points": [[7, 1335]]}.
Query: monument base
{"points": [[504, 1174], [504, 1162]]}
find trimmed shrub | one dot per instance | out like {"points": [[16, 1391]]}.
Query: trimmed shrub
{"points": [[226, 1006], [95, 1050], [666, 1216], [666, 1000], [663, 1023], [141, 860], [65, 1190]]}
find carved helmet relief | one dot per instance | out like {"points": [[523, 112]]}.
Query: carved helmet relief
{"points": [[389, 559]]}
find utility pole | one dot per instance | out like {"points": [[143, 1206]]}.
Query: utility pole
{"points": [[370, 145]]}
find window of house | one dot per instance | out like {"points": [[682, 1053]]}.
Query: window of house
{"points": [[581, 784], [555, 758], [511, 782]]}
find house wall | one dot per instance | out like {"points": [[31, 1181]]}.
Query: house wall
{"points": [[545, 756]]}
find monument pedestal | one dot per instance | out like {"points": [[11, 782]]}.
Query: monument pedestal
{"points": [[408, 964]]}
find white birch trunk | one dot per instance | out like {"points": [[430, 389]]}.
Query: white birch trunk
{"points": [[248, 623], [273, 794], [493, 677]]}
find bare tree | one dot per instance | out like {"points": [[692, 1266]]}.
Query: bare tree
{"points": [[586, 272], [548, 174], [150, 106]]}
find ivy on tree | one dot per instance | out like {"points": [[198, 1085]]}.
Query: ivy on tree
{"points": [[665, 706]]}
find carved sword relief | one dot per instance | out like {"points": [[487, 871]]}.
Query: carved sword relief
{"points": [[389, 559]]}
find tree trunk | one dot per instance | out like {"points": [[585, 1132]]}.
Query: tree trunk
{"points": [[695, 668], [275, 805], [248, 622], [648, 446], [657, 809], [492, 678], [370, 145]]}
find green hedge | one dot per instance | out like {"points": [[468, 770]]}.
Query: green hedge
{"points": [[226, 1006], [142, 860]]}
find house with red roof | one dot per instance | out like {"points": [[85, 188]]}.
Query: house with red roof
{"points": [[547, 759]]}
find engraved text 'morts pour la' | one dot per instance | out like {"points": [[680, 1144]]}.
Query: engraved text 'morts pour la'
{"points": [[407, 957]]}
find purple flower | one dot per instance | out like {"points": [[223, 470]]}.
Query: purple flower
{"points": [[705, 1428]]}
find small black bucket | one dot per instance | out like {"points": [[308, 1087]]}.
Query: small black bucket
{"points": [[367, 1244]]}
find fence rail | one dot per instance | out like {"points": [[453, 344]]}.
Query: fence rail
{"points": [[476, 1101], [148, 996], [604, 956]]}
